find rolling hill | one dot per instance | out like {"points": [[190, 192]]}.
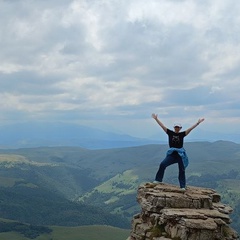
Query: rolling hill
{"points": [[69, 183]]}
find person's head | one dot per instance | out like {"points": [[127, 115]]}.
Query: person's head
{"points": [[177, 127]]}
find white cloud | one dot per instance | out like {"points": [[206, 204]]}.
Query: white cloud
{"points": [[120, 59]]}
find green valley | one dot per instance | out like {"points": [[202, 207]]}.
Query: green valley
{"points": [[72, 186]]}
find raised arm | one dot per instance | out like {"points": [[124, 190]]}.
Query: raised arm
{"points": [[195, 125], [155, 116]]}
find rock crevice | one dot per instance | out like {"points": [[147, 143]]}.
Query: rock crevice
{"points": [[170, 213]]}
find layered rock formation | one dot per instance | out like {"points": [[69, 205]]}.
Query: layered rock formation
{"points": [[170, 213]]}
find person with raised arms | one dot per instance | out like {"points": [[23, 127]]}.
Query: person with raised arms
{"points": [[176, 152]]}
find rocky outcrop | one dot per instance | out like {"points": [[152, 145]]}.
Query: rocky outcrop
{"points": [[170, 213]]}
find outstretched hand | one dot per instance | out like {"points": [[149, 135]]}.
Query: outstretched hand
{"points": [[200, 120], [154, 116]]}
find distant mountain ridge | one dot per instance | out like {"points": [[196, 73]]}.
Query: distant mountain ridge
{"points": [[38, 134], [62, 134]]}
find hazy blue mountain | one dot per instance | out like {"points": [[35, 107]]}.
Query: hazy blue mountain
{"points": [[35, 134]]}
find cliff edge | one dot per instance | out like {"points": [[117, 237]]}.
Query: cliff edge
{"points": [[170, 213]]}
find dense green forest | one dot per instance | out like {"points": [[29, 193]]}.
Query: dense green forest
{"points": [[41, 207]]}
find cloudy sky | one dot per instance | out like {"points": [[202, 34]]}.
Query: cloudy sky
{"points": [[111, 63]]}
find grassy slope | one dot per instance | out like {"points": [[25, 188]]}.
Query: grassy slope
{"points": [[107, 163], [65, 164], [76, 233], [92, 232]]}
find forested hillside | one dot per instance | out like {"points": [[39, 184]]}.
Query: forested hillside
{"points": [[73, 186]]}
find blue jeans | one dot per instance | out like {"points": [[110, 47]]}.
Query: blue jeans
{"points": [[169, 160]]}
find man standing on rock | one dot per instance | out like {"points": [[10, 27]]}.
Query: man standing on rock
{"points": [[176, 153]]}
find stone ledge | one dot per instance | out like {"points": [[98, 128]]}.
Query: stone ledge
{"points": [[170, 213]]}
